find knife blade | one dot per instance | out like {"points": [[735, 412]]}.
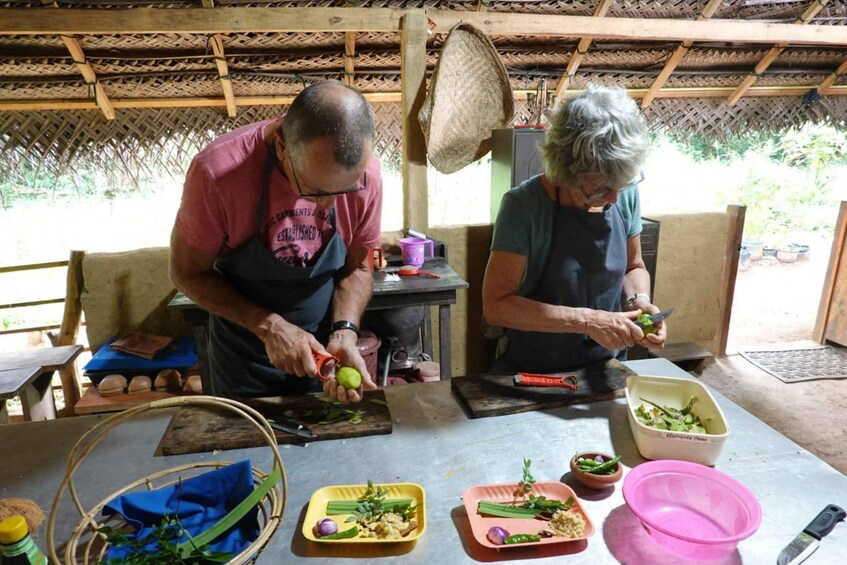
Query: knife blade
{"points": [[657, 317], [807, 541], [292, 427]]}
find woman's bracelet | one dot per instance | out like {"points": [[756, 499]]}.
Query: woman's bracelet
{"points": [[631, 300]]}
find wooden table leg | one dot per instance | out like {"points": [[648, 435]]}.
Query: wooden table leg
{"points": [[201, 342], [426, 332], [4, 412], [444, 344], [37, 399]]}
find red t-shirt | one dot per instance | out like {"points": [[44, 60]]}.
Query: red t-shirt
{"points": [[221, 197]]}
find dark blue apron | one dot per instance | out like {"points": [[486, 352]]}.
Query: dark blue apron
{"points": [[239, 364], [585, 269]]}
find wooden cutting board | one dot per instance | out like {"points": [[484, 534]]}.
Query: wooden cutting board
{"points": [[496, 394], [202, 429]]}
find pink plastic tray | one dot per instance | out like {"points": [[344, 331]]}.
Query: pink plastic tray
{"points": [[503, 493]]}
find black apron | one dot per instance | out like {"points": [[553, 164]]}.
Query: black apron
{"points": [[585, 269], [239, 364]]}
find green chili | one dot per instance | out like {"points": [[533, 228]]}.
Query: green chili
{"points": [[587, 462], [605, 468], [351, 533], [522, 538]]}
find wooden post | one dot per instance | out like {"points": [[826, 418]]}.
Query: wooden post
{"points": [[69, 330], [413, 91], [349, 58], [832, 270], [731, 255]]}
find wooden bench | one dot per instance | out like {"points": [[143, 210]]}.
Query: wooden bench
{"points": [[686, 355], [28, 374]]}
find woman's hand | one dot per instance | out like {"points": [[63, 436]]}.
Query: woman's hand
{"points": [[654, 340], [613, 330], [342, 344]]}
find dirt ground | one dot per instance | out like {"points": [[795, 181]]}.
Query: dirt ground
{"points": [[777, 302], [775, 307]]}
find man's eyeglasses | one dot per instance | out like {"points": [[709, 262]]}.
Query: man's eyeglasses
{"points": [[361, 185]]}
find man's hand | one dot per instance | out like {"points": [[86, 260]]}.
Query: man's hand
{"points": [[613, 330], [290, 348], [343, 345]]}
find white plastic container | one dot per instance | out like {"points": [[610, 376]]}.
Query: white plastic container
{"points": [[653, 443]]}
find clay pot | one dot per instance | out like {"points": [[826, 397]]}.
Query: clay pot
{"points": [[139, 384], [591, 480], [193, 384], [168, 380], [112, 385], [787, 255]]}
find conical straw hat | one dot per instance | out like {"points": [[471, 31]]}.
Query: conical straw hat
{"points": [[469, 96]]}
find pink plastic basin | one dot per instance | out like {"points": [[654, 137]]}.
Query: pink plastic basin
{"points": [[690, 510]]}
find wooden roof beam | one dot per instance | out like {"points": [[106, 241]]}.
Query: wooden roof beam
{"points": [[349, 58], [677, 56], [78, 56], [826, 86], [26, 21], [201, 102], [217, 43], [581, 48], [773, 53]]}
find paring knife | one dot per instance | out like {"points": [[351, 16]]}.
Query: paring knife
{"points": [[657, 317], [291, 427], [810, 538]]}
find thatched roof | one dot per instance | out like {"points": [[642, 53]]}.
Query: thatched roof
{"points": [[166, 86]]}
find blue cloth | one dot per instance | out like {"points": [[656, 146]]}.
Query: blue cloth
{"points": [[179, 354], [199, 502]]}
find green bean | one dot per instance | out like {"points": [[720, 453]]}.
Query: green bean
{"points": [[349, 533], [522, 538]]}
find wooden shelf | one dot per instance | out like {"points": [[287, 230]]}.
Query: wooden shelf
{"points": [[92, 403]]}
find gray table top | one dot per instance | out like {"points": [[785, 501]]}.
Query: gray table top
{"points": [[437, 446]]}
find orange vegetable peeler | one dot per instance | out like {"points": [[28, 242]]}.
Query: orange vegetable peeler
{"points": [[535, 379]]}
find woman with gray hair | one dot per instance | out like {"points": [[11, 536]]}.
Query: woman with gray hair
{"points": [[565, 278]]}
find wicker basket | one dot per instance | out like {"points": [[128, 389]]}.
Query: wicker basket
{"points": [[87, 544]]}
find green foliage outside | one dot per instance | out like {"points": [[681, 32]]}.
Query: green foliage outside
{"points": [[788, 186], [26, 182]]}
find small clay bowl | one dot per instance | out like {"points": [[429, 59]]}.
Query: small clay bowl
{"points": [[591, 480]]}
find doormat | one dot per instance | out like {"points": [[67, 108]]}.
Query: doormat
{"points": [[795, 365]]}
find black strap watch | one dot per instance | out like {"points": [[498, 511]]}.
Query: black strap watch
{"points": [[344, 325]]}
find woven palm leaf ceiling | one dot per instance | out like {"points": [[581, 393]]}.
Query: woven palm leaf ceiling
{"points": [[73, 93]]}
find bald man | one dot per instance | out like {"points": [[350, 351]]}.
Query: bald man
{"points": [[272, 239]]}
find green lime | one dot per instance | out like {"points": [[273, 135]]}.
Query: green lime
{"points": [[348, 377], [646, 324]]}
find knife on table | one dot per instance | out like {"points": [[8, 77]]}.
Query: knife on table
{"points": [[810, 538], [655, 318], [292, 427]]}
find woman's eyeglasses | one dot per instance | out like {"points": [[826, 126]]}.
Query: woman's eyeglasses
{"points": [[603, 192]]}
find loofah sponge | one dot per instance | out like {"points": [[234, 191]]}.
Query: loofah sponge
{"points": [[25, 507]]}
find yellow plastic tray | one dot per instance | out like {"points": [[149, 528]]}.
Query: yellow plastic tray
{"points": [[317, 510]]}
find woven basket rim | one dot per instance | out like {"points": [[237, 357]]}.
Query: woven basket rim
{"points": [[272, 505]]}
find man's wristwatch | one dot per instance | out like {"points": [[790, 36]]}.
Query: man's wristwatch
{"points": [[344, 325]]}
